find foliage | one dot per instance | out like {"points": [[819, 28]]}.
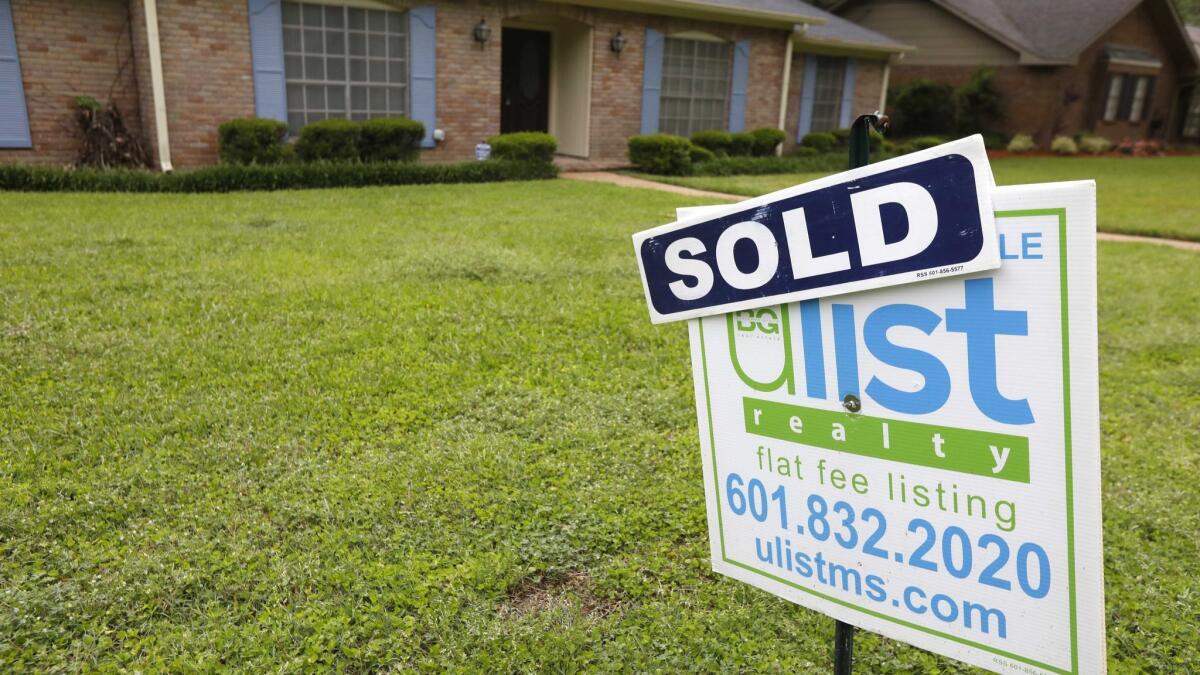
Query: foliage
{"points": [[922, 107], [661, 154], [1022, 143], [802, 151], [700, 154], [925, 142], [525, 146], [993, 140], [1095, 145], [731, 166], [413, 429], [252, 140], [1064, 145], [741, 144], [391, 139], [715, 141], [290, 176], [819, 141], [331, 140], [978, 104], [105, 141], [766, 140]]}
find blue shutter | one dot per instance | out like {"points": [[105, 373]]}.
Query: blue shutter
{"points": [[14, 118], [808, 90], [737, 94], [847, 109], [652, 80], [422, 90], [266, 57]]}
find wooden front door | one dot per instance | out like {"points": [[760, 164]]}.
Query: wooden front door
{"points": [[524, 80]]}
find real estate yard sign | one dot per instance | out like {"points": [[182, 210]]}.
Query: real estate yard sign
{"points": [[959, 510]]}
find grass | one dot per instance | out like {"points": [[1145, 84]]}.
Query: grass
{"points": [[1153, 197], [432, 427]]}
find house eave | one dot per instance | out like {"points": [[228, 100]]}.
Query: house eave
{"points": [[703, 11], [817, 45]]}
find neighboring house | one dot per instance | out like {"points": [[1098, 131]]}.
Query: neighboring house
{"points": [[1118, 68], [592, 72]]}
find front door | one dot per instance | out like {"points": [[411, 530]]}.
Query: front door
{"points": [[524, 80]]}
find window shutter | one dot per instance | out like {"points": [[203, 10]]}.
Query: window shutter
{"points": [[422, 87], [266, 57], [737, 90], [847, 107], [808, 89], [14, 117], [652, 80]]}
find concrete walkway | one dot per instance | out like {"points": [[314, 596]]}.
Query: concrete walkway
{"points": [[632, 182]]}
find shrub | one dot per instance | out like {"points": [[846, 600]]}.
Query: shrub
{"points": [[251, 140], [330, 140], [699, 154], [819, 141], [1021, 143], [757, 166], [105, 140], [766, 140], [926, 142], [236, 177], [1064, 145], [802, 151], [1095, 145], [716, 142], [994, 141], [524, 146], [842, 134], [661, 154], [922, 107], [390, 139], [977, 103], [741, 144]]}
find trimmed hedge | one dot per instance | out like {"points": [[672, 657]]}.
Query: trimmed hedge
{"points": [[757, 166], [766, 140], [234, 177], [699, 154], [524, 146], [741, 144], [663, 154], [251, 140], [390, 139], [332, 140], [822, 142], [716, 142]]}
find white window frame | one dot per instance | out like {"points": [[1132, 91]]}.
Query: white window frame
{"points": [[828, 66], [707, 91]]}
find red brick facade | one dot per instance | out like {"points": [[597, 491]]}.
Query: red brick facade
{"points": [[74, 47], [1050, 100]]}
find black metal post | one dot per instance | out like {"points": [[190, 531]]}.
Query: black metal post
{"points": [[860, 155]]}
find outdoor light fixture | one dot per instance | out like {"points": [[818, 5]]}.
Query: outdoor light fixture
{"points": [[617, 43], [483, 32]]}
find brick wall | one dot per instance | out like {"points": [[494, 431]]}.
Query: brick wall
{"points": [[868, 85], [67, 49]]}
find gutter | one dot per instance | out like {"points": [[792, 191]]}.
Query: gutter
{"points": [[162, 138], [783, 94]]}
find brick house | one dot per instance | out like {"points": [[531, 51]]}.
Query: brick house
{"points": [[1117, 68], [592, 72]]}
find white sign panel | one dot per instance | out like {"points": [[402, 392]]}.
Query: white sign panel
{"points": [[911, 218], [959, 509]]}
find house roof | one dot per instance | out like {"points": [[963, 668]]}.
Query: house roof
{"points": [[1044, 32], [837, 31]]}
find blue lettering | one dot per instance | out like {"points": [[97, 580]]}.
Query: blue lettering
{"points": [[982, 322], [1030, 242], [936, 391], [845, 348], [814, 349]]}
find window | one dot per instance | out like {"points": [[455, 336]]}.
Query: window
{"points": [[827, 93], [1191, 118], [695, 85], [1127, 97], [344, 62]]}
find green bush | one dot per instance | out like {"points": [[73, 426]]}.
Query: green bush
{"points": [[661, 154], [699, 154], [978, 104], [993, 140], [330, 140], [819, 141], [757, 166], [1095, 145], [237, 177], [922, 107], [766, 140], [1064, 145], [716, 142], [251, 140], [842, 134], [926, 142], [802, 151], [741, 144], [391, 139], [524, 146], [1021, 143]]}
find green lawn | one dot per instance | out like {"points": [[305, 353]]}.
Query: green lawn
{"points": [[432, 427], [1157, 197]]}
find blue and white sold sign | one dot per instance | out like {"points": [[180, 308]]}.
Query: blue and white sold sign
{"points": [[917, 217]]}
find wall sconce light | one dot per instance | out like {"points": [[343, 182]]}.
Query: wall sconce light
{"points": [[617, 43], [483, 32]]}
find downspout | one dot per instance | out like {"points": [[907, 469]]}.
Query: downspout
{"points": [[156, 85], [887, 73], [783, 92]]}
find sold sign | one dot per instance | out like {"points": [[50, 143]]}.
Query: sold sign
{"points": [[921, 216]]}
